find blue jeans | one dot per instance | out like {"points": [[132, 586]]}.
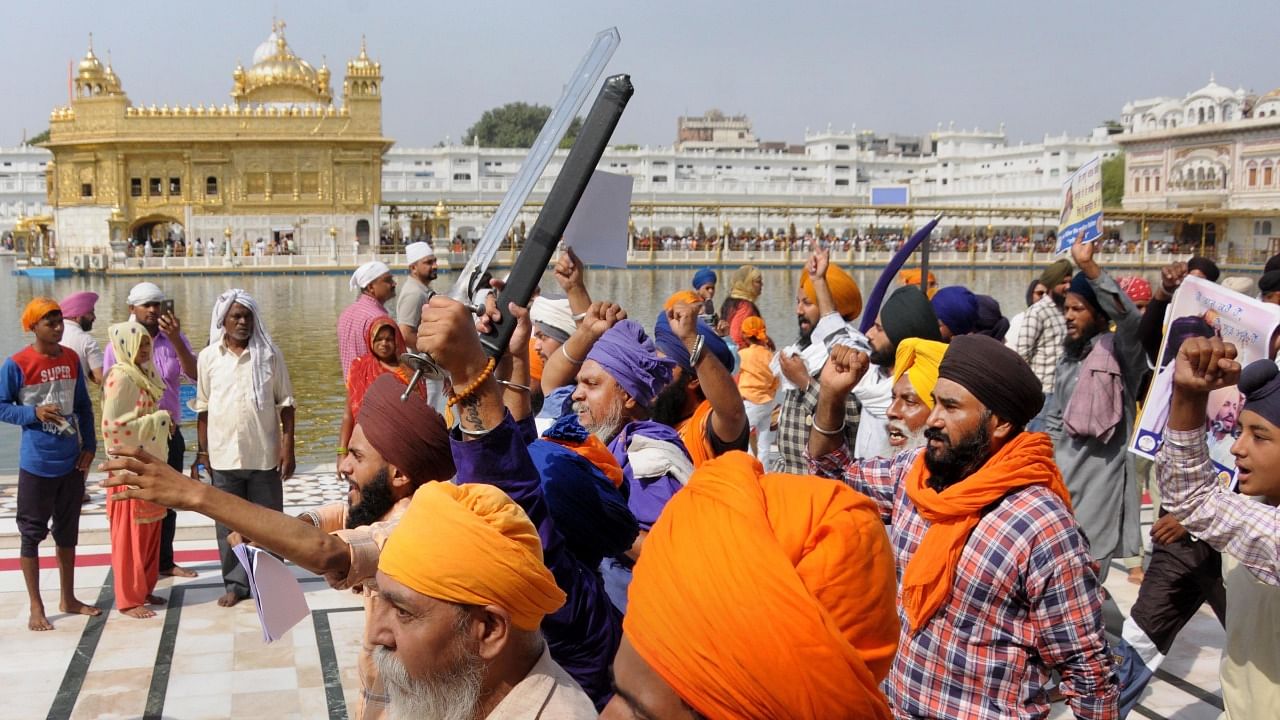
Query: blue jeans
{"points": [[1037, 422]]}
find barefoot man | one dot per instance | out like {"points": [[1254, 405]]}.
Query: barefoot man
{"points": [[42, 389]]}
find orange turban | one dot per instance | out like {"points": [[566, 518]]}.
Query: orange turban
{"points": [[683, 297], [767, 596], [753, 327], [912, 277], [844, 291], [36, 309], [472, 545], [919, 359]]}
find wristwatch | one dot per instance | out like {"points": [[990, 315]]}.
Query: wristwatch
{"points": [[696, 354]]}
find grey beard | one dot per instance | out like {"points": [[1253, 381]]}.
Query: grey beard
{"points": [[453, 695], [915, 439], [604, 428]]}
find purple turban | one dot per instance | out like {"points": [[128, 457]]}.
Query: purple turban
{"points": [[629, 356], [957, 308], [1260, 383], [78, 304]]}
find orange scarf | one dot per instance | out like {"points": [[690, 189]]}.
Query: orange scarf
{"points": [[694, 432], [1024, 461]]}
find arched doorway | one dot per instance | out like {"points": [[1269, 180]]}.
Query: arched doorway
{"points": [[362, 233], [163, 232]]}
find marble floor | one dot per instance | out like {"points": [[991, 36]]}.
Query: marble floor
{"points": [[197, 660]]}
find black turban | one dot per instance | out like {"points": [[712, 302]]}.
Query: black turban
{"points": [[996, 375], [991, 321], [1206, 266], [1273, 263], [907, 314], [1081, 286], [1260, 383], [1269, 282], [409, 434]]}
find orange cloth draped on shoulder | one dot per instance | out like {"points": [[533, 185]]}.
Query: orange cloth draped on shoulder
{"points": [[767, 596], [597, 453], [472, 545], [694, 433], [367, 368], [131, 417], [1024, 461]]}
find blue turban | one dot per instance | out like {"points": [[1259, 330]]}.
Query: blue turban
{"points": [[703, 276], [957, 308], [631, 359], [590, 513], [673, 347], [1081, 286]]}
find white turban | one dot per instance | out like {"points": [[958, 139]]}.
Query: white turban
{"points": [[367, 273], [261, 349], [418, 251], [144, 293], [554, 317]]}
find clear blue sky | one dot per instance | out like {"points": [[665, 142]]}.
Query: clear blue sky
{"points": [[889, 66]]}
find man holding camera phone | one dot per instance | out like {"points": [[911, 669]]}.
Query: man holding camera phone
{"points": [[173, 359]]}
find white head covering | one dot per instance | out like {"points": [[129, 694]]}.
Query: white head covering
{"points": [[417, 251], [144, 293], [367, 273], [553, 314], [261, 349], [1241, 284]]}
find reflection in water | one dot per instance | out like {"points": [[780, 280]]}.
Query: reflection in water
{"points": [[301, 313]]}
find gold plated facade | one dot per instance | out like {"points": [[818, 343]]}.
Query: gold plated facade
{"points": [[282, 149]]}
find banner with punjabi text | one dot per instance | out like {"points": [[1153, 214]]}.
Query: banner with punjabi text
{"points": [[1081, 206]]}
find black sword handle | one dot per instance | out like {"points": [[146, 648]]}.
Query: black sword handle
{"points": [[561, 201]]}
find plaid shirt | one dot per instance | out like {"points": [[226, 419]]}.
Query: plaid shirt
{"points": [[1044, 327], [1025, 600], [353, 329], [794, 421], [1234, 524]]}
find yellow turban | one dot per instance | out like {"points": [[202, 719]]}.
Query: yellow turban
{"points": [[919, 359], [844, 291], [767, 596], [472, 545], [683, 297], [37, 309]]}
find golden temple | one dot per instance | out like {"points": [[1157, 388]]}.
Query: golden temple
{"points": [[280, 160]]}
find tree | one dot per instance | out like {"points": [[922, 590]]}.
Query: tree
{"points": [[37, 139], [1113, 181], [515, 125]]}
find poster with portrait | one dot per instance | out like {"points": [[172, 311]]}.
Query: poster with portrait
{"points": [[1081, 216], [1204, 309]]}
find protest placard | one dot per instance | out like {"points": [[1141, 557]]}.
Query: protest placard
{"points": [[1081, 216], [1204, 309]]}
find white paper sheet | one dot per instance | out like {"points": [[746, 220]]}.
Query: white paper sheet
{"points": [[597, 232], [276, 592]]}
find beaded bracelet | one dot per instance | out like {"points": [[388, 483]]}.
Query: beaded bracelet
{"points": [[468, 390]]}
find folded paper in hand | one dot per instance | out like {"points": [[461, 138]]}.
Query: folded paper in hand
{"points": [[276, 592]]}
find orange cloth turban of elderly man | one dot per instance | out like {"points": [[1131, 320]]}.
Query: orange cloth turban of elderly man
{"points": [[919, 359], [472, 545], [844, 291], [767, 596]]}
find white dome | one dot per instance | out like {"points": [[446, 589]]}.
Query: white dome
{"points": [[266, 50], [1214, 91]]}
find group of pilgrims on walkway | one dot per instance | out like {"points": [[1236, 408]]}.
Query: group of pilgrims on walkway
{"points": [[600, 522]]}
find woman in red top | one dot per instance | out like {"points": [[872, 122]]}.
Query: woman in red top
{"points": [[744, 289], [386, 345]]}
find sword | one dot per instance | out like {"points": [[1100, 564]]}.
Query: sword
{"points": [[584, 78]]}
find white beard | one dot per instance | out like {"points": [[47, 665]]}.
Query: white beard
{"points": [[914, 439], [603, 428], [453, 696]]}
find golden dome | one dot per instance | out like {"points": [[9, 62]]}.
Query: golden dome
{"points": [[362, 65], [278, 75], [90, 66]]}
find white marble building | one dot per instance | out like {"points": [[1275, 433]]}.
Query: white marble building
{"points": [[1215, 151], [22, 185]]}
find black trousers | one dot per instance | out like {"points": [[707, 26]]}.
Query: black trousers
{"points": [[1181, 577], [169, 526]]}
